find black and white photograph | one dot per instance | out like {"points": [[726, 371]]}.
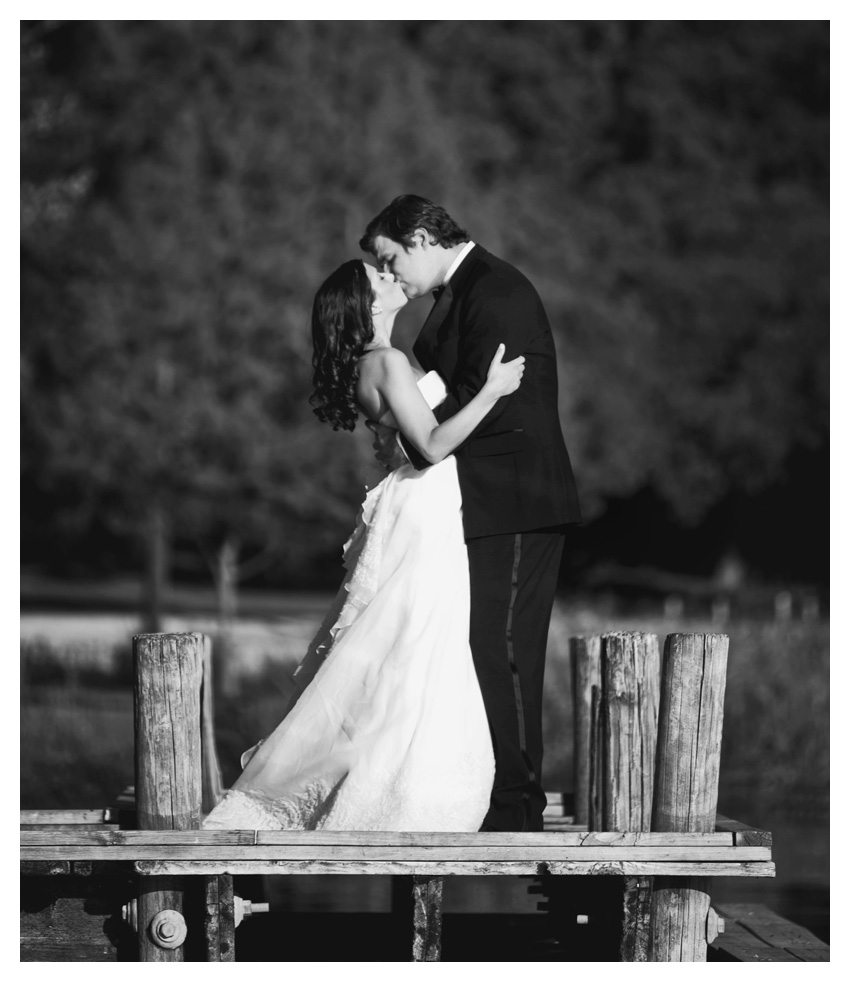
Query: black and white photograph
{"points": [[425, 487]]}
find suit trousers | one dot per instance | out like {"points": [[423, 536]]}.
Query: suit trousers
{"points": [[512, 589]]}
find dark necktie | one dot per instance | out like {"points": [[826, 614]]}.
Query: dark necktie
{"points": [[438, 292]]}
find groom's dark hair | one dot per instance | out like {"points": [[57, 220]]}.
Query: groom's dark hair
{"points": [[408, 212]]}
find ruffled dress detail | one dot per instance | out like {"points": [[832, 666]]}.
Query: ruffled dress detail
{"points": [[386, 730]]}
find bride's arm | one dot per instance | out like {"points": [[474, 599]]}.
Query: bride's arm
{"points": [[388, 419], [396, 383]]}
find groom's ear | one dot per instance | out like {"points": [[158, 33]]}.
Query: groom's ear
{"points": [[420, 237]]}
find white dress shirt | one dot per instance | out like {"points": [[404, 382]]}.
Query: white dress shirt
{"points": [[459, 258]]}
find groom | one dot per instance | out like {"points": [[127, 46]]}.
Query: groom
{"points": [[515, 478]]}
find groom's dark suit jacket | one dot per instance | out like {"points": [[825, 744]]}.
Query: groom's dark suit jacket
{"points": [[514, 470]]}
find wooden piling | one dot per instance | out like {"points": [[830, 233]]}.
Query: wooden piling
{"points": [[219, 916], [417, 906], [219, 919], [168, 675], [687, 771], [212, 786], [585, 654], [626, 728], [623, 736], [427, 918]]}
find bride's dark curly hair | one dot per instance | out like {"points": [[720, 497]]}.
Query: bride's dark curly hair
{"points": [[342, 327]]}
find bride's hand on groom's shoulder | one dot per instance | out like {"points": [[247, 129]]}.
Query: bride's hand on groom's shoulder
{"points": [[387, 451]]}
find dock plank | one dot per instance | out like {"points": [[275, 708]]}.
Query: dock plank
{"points": [[754, 932], [67, 816], [265, 867], [744, 835], [683, 850], [811, 953], [353, 853], [768, 926], [89, 844], [528, 841], [754, 953]]}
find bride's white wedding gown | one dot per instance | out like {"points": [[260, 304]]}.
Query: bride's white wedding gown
{"points": [[387, 729]]}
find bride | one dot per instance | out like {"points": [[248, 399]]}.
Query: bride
{"points": [[386, 729]]}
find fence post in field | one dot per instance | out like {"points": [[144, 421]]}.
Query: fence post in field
{"points": [[585, 663], [690, 729], [623, 743], [167, 707]]}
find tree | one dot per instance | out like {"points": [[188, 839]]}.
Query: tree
{"points": [[665, 186], [183, 404], [187, 186]]}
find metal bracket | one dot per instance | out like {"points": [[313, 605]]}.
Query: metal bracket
{"points": [[244, 908], [130, 913], [714, 925], [168, 929]]}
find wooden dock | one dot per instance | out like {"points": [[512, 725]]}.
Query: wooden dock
{"points": [[211, 853], [87, 866], [144, 880]]}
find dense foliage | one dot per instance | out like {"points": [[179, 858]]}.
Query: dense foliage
{"points": [[187, 185]]}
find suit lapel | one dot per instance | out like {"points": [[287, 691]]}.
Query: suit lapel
{"points": [[425, 342]]}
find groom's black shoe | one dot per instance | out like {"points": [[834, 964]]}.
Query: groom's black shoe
{"points": [[486, 827]]}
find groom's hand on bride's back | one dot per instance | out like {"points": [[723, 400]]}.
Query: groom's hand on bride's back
{"points": [[387, 451]]}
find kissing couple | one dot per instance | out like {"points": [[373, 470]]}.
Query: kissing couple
{"points": [[418, 706]]}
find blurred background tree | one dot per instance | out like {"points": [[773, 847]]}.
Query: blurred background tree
{"points": [[186, 186]]}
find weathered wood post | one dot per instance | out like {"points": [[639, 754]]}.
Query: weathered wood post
{"points": [[168, 674], [687, 771], [417, 906], [427, 918], [622, 761], [585, 655], [626, 729], [219, 919], [212, 787], [219, 905]]}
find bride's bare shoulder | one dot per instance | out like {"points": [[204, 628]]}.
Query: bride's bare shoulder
{"points": [[382, 363], [377, 370]]}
